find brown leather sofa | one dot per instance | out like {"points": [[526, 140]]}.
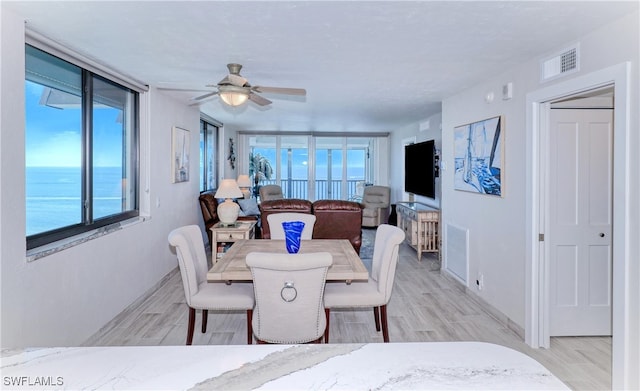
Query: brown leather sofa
{"points": [[209, 207], [281, 206], [335, 219]]}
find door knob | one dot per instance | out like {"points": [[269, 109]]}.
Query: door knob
{"points": [[601, 234]]}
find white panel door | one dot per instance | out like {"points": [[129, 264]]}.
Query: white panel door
{"points": [[579, 228]]}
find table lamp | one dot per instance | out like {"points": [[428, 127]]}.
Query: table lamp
{"points": [[244, 183], [228, 210]]}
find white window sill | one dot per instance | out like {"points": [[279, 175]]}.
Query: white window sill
{"points": [[52, 248]]}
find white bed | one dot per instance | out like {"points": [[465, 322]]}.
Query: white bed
{"points": [[429, 365]]}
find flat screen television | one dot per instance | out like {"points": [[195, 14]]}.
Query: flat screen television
{"points": [[420, 169]]}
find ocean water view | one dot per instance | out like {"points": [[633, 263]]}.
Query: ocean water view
{"points": [[53, 196]]}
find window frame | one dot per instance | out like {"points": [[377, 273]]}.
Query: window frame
{"points": [[205, 123], [88, 223], [346, 141]]}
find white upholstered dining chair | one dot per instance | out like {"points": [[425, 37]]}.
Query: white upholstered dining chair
{"points": [[376, 292], [275, 221], [288, 289], [200, 294]]}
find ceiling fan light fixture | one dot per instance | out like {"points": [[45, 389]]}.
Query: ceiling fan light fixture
{"points": [[233, 96]]}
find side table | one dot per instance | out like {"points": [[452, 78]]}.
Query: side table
{"points": [[222, 234]]}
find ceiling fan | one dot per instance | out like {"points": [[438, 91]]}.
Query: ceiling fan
{"points": [[234, 90]]}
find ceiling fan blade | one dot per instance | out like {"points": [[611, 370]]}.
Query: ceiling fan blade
{"points": [[168, 86], [258, 99], [280, 90], [201, 101], [201, 97]]}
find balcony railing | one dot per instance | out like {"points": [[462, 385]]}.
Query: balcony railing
{"points": [[324, 189]]}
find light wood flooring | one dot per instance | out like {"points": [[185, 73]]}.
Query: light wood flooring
{"points": [[425, 306]]}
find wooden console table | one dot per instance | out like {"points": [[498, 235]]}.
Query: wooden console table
{"points": [[420, 225]]}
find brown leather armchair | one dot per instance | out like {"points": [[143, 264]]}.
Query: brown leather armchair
{"points": [[376, 201], [336, 219], [280, 206], [270, 192], [209, 207]]}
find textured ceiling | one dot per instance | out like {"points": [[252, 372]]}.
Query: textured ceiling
{"points": [[366, 66]]}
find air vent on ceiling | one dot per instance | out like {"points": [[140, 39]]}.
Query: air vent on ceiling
{"points": [[560, 64]]}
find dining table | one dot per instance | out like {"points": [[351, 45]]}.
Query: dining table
{"points": [[347, 266]]}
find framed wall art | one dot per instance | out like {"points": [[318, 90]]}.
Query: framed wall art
{"points": [[479, 163], [180, 145]]}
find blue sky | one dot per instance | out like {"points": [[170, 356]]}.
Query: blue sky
{"points": [[53, 135]]}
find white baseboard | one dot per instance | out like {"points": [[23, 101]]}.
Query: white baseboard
{"points": [[493, 311], [91, 341]]}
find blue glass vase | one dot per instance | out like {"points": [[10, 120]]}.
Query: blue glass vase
{"points": [[292, 235]]}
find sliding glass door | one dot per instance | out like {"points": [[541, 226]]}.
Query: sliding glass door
{"points": [[294, 166], [341, 162], [314, 168], [329, 168], [288, 157], [359, 167]]}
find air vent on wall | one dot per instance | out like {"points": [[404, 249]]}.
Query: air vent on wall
{"points": [[457, 251], [560, 64]]}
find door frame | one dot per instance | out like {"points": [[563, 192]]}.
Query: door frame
{"points": [[536, 267]]}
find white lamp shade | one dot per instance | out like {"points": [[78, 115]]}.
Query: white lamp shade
{"points": [[228, 189], [244, 181]]}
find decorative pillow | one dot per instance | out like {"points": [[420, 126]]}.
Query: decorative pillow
{"points": [[249, 206]]}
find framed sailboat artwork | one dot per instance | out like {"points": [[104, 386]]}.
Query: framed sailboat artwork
{"points": [[180, 155], [479, 152]]}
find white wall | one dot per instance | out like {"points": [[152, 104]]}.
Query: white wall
{"points": [[497, 226], [380, 161], [226, 133], [64, 298]]}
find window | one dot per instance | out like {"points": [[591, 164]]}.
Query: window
{"points": [[81, 149], [208, 148], [308, 166], [336, 177], [294, 166]]}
